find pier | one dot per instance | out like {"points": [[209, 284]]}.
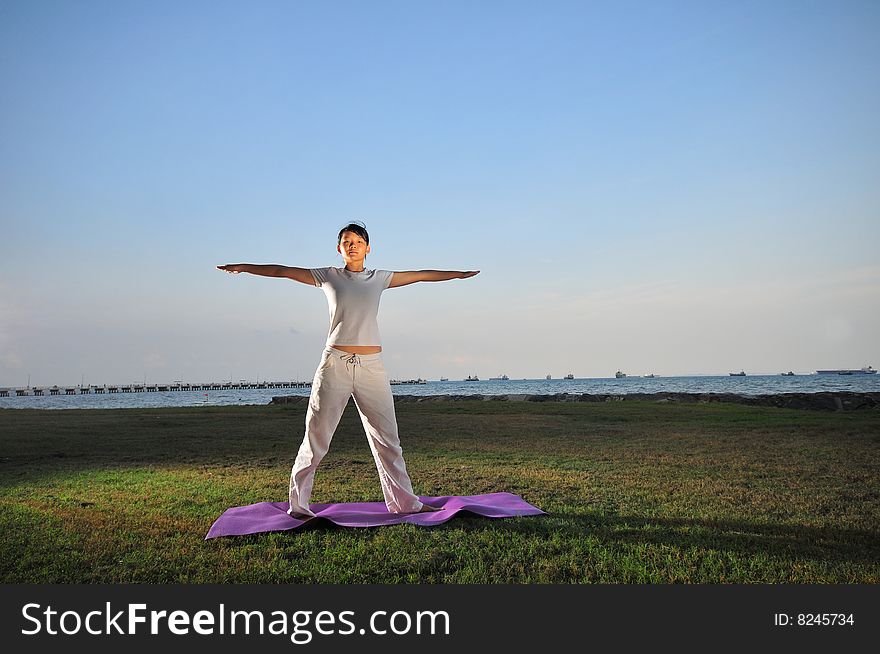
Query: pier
{"points": [[38, 391]]}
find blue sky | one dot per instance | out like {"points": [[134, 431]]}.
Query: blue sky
{"points": [[677, 187]]}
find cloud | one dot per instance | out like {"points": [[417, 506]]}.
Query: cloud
{"points": [[154, 360], [460, 359], [14, 321], [9, 359], [669, 296], [837, 329]]}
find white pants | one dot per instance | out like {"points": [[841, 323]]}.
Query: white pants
{"points": [[339, 376]]}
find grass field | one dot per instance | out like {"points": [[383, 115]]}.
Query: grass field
{"points": [[636, 492]]}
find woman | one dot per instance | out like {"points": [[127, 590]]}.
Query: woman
{"points": [[352, 365]]}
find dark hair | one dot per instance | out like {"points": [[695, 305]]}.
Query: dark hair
{"points": [[358, 228]]}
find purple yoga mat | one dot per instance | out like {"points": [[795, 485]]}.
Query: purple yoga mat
{"points": [[272, 516]]}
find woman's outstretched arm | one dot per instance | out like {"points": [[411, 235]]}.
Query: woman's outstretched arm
{"points": [[405, 277], [303, 275]]}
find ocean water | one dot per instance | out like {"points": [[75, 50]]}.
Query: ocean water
{"points": [[750, 385]]}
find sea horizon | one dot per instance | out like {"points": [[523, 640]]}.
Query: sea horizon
{"points": [[748, 385]]}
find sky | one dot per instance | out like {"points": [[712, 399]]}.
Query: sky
{"points": [[655, 187]]}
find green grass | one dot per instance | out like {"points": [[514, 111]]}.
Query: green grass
{"points": [[636, 492]]}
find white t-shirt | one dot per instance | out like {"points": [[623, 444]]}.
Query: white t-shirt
{"points": [[353, 299]]}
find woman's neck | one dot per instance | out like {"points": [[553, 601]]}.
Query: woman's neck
{"points": [[353, 268]]}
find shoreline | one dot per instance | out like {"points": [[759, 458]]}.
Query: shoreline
{"points": [[828, 401], [821, 401]]}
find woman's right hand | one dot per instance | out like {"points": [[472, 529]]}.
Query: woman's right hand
{"points": [[230, 268]]}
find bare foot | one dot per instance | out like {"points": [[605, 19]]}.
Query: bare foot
{"points": [[428, 509]]}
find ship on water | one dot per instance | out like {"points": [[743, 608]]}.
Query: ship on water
{"points": [[472, 378], [866, 370], [503, 377]]}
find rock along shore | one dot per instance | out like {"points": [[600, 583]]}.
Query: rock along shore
{"points": [[825, 401]]}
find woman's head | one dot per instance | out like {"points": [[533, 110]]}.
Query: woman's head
{"points": [[355, 228], [354, 245]]}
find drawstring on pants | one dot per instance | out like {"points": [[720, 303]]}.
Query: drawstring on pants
{"points": [[350, 360]]}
